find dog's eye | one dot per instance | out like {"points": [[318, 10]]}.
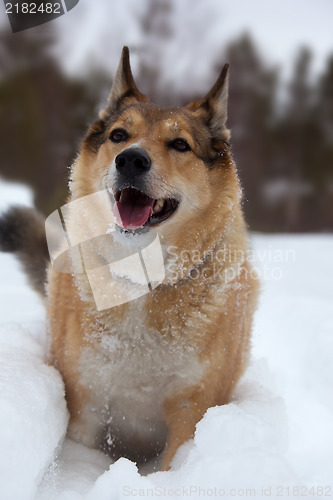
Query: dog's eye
{"points": [[180, 145], [119, 135]]}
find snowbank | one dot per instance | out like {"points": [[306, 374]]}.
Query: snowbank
{"points": [[33, 415], [11, 192], [276, 434]]}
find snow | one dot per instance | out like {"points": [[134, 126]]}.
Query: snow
{"points": [[276, 434], [14, 192]]}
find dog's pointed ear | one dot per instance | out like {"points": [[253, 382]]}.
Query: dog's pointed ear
{"points": [[123, 86], [214, 106]]}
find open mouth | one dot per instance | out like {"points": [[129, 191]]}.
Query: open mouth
{"points": [[134, 209]]}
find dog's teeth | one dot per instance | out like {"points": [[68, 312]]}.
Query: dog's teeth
{"points": [[121, 195], [158, 205]]}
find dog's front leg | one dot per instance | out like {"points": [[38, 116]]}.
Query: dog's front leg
{"points": [[182, 412]]}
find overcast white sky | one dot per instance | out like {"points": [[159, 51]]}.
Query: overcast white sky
{"points": [[96, 30]]}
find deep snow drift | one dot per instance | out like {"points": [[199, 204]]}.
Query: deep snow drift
{"points": [[275, 439]]}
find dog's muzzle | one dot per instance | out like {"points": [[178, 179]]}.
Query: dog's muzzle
{"points": [[135, 205]]}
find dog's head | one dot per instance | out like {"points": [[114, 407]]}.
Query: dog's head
{"points": [[169, 169]]}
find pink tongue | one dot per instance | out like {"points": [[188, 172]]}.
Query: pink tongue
{"points": [[133, 211]]}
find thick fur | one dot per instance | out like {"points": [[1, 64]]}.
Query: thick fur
{"points": [[140, 376], [22, 231]]}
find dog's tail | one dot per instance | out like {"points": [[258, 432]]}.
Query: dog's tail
{"points": [[22, 231]]}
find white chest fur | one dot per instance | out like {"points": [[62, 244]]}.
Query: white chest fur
{"points": [[128, 373]]}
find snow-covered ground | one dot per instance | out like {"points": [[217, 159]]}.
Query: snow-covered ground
{"points": [[274, 440]]}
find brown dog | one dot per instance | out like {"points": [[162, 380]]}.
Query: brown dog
{"points": [[141, 374]]}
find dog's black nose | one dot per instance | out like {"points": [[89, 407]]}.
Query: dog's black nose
{"points": [[132, 162]]}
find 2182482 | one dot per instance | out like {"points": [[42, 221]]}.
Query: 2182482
{"points": [[33, 8]]}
